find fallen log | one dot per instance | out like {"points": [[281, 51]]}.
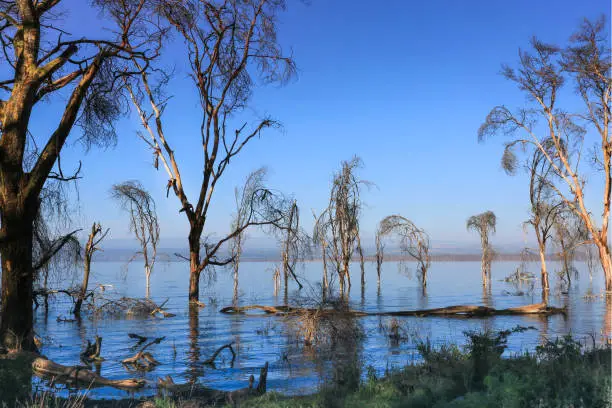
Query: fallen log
{"points": [[449, 311], [79, 376], [91, 354]]}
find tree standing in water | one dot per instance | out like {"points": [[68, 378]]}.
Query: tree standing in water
{"points": [[143, 222], [227, 44], [561, 138], [484, 225]]}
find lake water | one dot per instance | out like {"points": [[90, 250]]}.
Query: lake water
{"points": [[193, 337]]}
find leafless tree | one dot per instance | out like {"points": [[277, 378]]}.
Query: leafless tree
{"points": [[562, 138], [43, 63], [93, 241], [227, 44], [569, 234], [380, 253], [544, 206], [319, 238], [338, 224], [295, 244], [137, 201], [484, 224], [413, 241]]}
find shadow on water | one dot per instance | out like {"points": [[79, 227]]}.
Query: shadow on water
{"points": [[194, 333]]}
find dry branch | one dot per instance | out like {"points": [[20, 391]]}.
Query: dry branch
{"points": [[211, 360]]}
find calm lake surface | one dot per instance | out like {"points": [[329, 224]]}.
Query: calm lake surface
{"points": [[192, 338]]}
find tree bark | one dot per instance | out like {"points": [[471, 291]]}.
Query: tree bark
{"points": [[87, 269], [194, 266], [16, 326]]}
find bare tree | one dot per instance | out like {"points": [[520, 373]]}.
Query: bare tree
{"points": [[338, 224], [42, 62], [295, 244], [569, 234], [319, 239], [544, 208], [226, 44], [137, 201], [93, 241], [484, 224], [562, 138], [380, 253], [413, 241]]}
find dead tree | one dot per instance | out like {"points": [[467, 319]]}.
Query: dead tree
{"points": [[339, 222], [569, 234], [319, 239], [544, 208], [295, 244], [563, 135], [413, 241], [134, 199], [95, 237], [226, 44], [43, 63], [380, 253], [484, 224]]}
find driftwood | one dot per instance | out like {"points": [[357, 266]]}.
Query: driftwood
{"points": [[92, 352], [78, 376], [142, 360], [211, 360], [216, 397], [450, 311]]}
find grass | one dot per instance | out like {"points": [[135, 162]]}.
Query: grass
{"points": [[561, 373]]}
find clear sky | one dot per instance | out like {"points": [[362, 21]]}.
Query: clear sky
{"points": [[402, 84]]}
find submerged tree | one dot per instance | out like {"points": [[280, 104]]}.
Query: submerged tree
{"points": [[562, 137], [569, 234], [93, 241], [143, 222], [380, 253], [484, 224], [227, 44], [295, 243], [544, 210], [280, 218], [338, 225], [43, 63], [413, 241]]}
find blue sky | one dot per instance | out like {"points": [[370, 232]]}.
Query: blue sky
{"points": [[402, 84]]}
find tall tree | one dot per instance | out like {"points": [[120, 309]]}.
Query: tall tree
{"points": [[563, 135], [227, 44], [143, 222], [41, 62], [413, 241], [484, 224]]}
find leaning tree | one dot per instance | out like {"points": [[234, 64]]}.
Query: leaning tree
{"points": [[137, 201], [413, 241], [226, 46], [43, 63], [560, 135], [484, 225]]}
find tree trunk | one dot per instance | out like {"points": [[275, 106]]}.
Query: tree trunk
{"points": [[606, 261], [79, 302], [194, 267], [16, 326], [148, 280], [543, 270]]}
